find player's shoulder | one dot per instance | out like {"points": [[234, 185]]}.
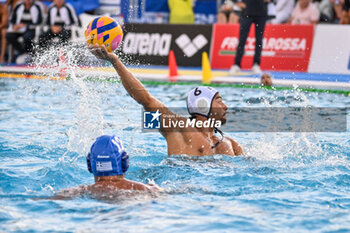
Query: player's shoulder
{"points": [[237, 148]]}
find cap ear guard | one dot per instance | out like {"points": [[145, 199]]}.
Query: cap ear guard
{"points": [[125, 162], [88, 162]]}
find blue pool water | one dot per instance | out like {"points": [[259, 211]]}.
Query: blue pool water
{"points": [[287, 182]]}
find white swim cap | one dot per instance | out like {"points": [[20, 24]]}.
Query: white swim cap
{"points": [[200, 100]]}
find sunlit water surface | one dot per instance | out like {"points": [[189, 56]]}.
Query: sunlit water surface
{"points": [[287, 182]]}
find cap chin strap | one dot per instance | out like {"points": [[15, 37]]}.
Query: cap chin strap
{"points": [[216, 130]]}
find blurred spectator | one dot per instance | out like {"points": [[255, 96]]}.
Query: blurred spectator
{"points": [[345, 14], [4, 23], [284, 9], [230, 11], [25, 17], [305, 12], [271, 10], [326, 10], [80, 6], [10, 4], [61, 16], [338, 8], [254, 12], [181, 11], [3, 27], [44, 5]]}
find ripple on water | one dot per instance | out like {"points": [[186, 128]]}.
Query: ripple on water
{"points": [[286, 182]]}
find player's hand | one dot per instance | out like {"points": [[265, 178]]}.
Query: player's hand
{"points": [[100, 51], [226, 8], [18, 26], [56, 29], [241, 5]]}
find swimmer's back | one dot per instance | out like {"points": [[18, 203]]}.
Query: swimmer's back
{"points": [[107, 191]]}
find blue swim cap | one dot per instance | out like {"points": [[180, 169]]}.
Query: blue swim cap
{"points": [[200, 100], [107, 157]]}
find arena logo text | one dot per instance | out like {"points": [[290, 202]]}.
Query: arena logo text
{"points": [[147, 43]]}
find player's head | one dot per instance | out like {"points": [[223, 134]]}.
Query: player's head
{"points": [[266, 80], [107, 157], [304, 3], [28, 2], [59, 3], [206, 101]]}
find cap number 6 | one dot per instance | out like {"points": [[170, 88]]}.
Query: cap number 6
{"points": [[197, 92]]}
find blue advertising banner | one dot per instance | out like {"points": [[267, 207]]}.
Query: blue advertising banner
{"points": [[157, 6], [205, 11], [80, 6]]}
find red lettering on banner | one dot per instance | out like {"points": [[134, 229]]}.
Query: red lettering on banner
{"points": [[285, 47]]}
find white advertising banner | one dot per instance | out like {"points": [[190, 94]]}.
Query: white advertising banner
{"points": [[331, 50]]}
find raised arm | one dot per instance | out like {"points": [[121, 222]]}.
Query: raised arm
{"points": [[131, 84]]}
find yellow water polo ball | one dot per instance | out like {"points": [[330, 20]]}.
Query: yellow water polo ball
{"points": [[104, 30]]}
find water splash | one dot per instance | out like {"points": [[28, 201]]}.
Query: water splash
{"points": [[88, 120]]}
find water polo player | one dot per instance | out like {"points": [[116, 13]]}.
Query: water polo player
{"points": [[108, 162], [203, 103]]}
